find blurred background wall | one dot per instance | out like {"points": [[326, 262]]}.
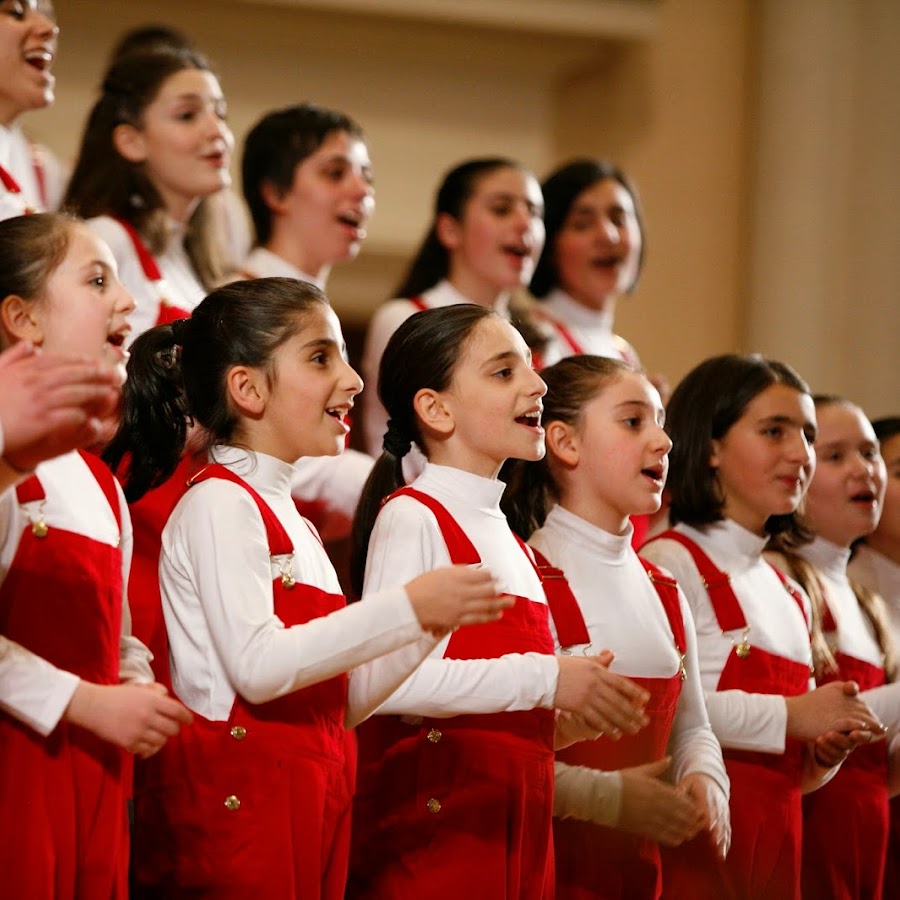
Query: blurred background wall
{"points": [[763, 136]]}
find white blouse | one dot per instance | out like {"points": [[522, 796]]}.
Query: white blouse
{"points": [[406, 542], [880, 574], [216, 582], [30, 688], [740, 720]]}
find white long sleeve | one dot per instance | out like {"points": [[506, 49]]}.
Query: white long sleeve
{"points": [[623, 613], [30, 687], [880, 574], [216, 582], [740, 720], [405, 543]]}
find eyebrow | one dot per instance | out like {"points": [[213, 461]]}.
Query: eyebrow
{"points": [[504, 356]]}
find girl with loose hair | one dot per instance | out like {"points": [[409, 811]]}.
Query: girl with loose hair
{"points": [[76, 689], [843, 504], [31, 178], [155, 149], [481, 247], [456, 770], [616, 803], [253, 798], [742, 458], [593, 255]]}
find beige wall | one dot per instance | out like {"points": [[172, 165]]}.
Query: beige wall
{"points": [[693, 107]]}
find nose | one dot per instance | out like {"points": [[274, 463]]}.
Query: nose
{"points": [[44, 25], [537, 388], [354, 383], [361, 187], [801, 450], [609, 231], [664, 442], [125, 303]]}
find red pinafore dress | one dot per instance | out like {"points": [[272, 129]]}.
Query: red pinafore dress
{"points": [[766, 810], [593, 861], [846, 822], [257, 805], [63, 797], [459, 807]]}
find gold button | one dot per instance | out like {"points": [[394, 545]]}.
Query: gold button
{"points": [[238, 732], [232, 803], [433, 805], [434, 735]]}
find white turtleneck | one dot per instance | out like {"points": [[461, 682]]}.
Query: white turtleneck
{"points": [[739, 719], [182, 287], [592, 329], [384, 322], [216, 582], [406, 542], [19, 157], [623, 613], [881, 574], [263, 263], [854, 635]]}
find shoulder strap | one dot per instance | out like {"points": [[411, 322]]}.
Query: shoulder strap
{"points": [[418, 303], [462, 550], [280, 543], [828, 623], [106, 480], [725, 604], [567, 615], [667, 588]]}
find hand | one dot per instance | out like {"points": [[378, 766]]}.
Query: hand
{"points": [[456, 595], [137, 717], [51, 404], [833, 747], [654, 809], [835, 706], [711, 803], [607, 703]]}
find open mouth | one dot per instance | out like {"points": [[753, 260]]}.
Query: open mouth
{"points": [[606, 262], [866, 498], [39, 59], [530, 419], [339, 413], [355, 221], [654, 473], [519, 251]]}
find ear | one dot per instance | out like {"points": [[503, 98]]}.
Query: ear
{"points": [[714, 450], [18, 320], [248, 390], [562, 441], [272, 195], [129, 143], [433, 412], [448, 231]]}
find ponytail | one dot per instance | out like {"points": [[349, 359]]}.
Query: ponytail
{"points": [[155, 417]]}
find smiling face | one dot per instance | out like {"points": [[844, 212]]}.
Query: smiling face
{"points": [[598, 249], [613, 463], [83, 307], [846, 495], [183, 142], [886, 537], [765, 461], [28, 36], [329, 202], [491, 410], [495, 244], [309, 392]]}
